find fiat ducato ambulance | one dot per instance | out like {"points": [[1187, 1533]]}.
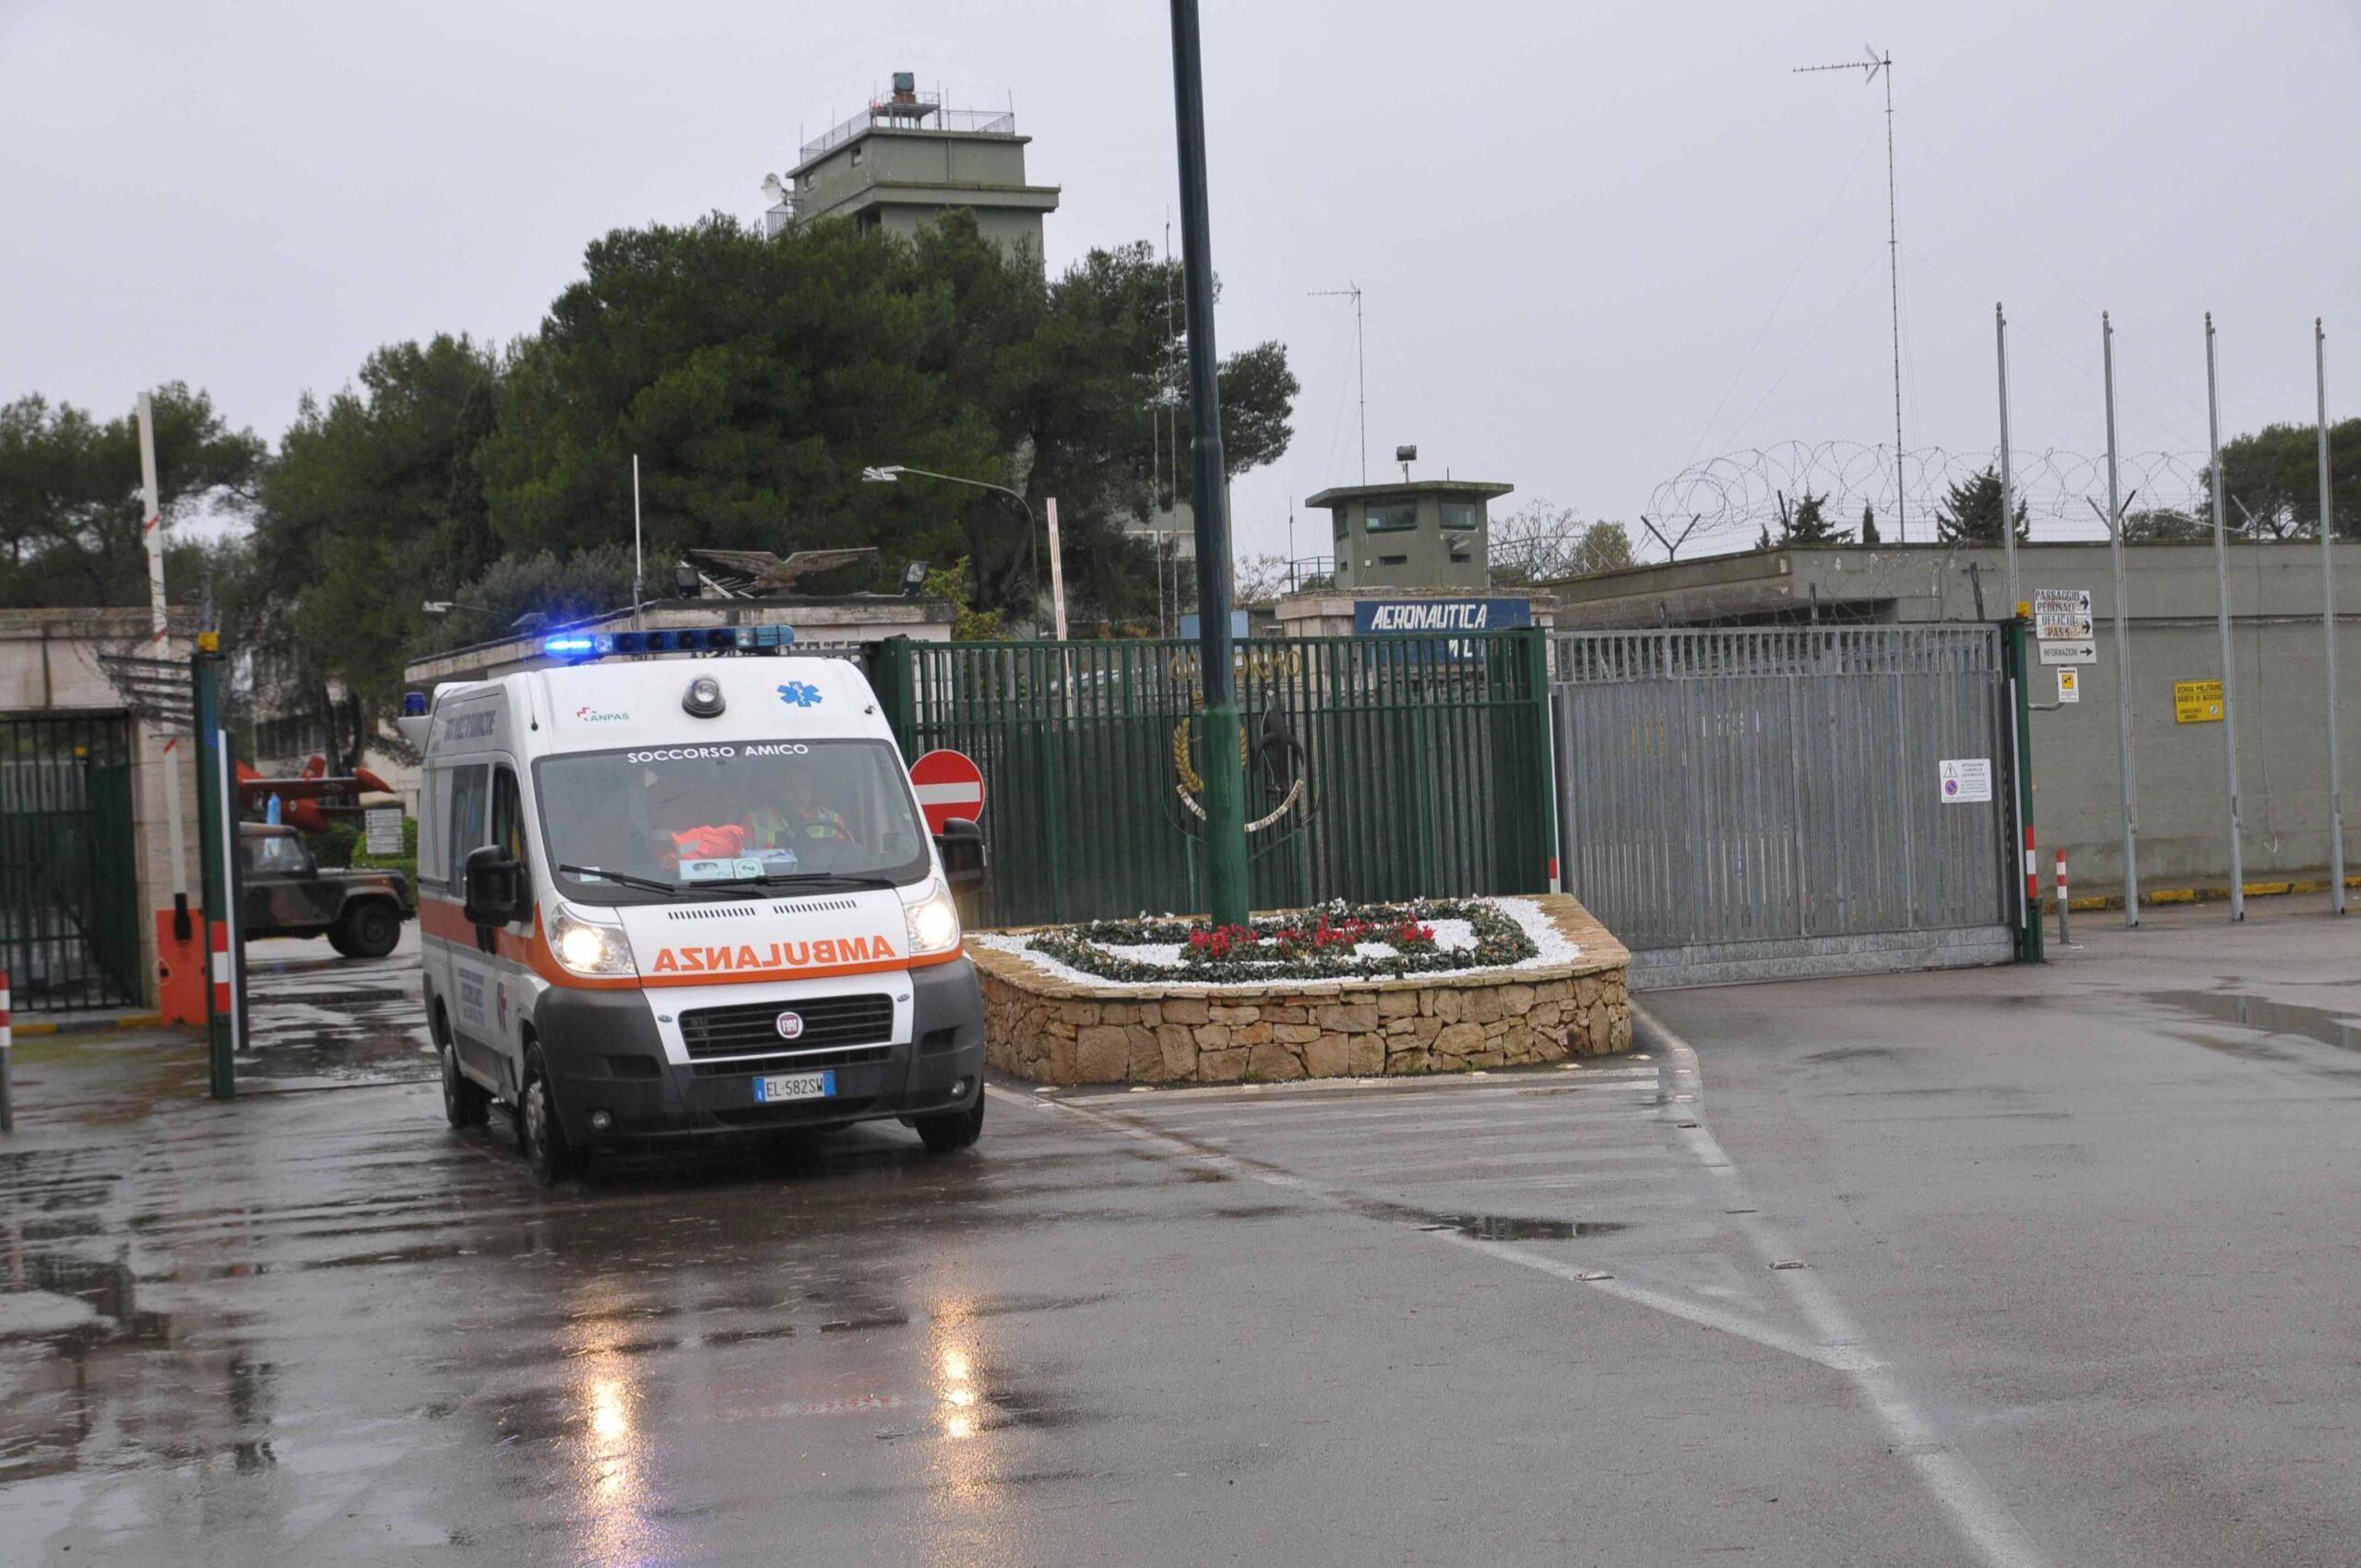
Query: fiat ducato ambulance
{"points": [[670, 898]]}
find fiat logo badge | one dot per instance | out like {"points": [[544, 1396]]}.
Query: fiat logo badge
{"points": [[790, 1026]]}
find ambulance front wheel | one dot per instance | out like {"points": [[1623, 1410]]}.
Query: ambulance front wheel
{"points": [[541, 1136], [949, 1131]]}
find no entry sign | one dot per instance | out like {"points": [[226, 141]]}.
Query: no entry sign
{"points": [[949, 785]]}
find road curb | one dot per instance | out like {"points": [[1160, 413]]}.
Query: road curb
{"points": [[2209, 895], [96, 1026]]}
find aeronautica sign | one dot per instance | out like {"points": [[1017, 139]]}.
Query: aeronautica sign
{"points": [[1452, 619], [1384, 617]]}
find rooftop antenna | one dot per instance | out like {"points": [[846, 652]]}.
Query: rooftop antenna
{"points": [[1871, 66], [1361, 359]]}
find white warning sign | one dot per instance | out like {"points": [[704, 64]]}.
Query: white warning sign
{"points": [[1966, 779]]}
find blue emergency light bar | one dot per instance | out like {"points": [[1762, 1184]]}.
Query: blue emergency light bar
{"points": [[577, 647]]}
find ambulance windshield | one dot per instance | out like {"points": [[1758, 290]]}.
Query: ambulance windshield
{"points": [[718, 820]]}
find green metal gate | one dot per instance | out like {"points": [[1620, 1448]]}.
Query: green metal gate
{"points": [[1422, 768], [69, 884]]}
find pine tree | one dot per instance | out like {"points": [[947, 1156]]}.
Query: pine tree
{"points": [[1808, 523], [1971, 512], [1869, 524]]}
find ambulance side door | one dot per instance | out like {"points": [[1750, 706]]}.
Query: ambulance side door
{"points": [[434, 879], [471, 997], [517, 990]]}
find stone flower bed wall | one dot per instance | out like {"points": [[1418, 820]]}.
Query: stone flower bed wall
{"points": [[1055, 1032]]}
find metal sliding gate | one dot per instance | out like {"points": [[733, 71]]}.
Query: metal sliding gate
{"points": [[1746, 804], [69, 892], [1377, 767]]}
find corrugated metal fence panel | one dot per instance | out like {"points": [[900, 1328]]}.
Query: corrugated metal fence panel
{"points": [[1422, 758], [69, 895], [1758, 786]]}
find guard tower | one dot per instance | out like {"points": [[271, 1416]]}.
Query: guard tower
{"points": [[905, 160], [1417, 533]]}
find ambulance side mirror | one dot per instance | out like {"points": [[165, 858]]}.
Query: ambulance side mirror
{"points": [[966, 863], [494, 887]]}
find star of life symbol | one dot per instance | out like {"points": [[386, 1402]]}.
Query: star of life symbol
{"points": [[802, 693]]}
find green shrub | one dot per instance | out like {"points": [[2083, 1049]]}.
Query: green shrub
{"points": [[332, 846]]}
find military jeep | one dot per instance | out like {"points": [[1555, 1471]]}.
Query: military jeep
{"points": [[282, 892]]}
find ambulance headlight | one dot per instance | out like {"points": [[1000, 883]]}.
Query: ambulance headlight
{"points": [[933, 920], [589, 948]]}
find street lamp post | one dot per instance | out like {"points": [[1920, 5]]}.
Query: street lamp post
{"points": [[1225, 778], [891, 473]]}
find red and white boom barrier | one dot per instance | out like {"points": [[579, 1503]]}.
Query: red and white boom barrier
{"points": [[7, 1051], [2062, 898]]}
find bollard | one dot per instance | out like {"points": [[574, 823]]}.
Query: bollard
{"points": [[2062, 938], [7, 1050]]}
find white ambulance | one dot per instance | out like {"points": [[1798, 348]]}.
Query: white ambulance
{"points": [[666, 897]]}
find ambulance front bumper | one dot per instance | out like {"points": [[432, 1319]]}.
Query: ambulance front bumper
{"points": [[614, 1085]]}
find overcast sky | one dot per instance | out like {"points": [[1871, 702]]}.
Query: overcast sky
{"points": [[1571, 221]]}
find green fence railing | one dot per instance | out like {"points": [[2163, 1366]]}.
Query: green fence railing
{"points": [[69, 890], [1377, 767]]}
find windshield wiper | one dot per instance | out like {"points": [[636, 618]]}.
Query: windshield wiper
{"points": [[803, 879], [624, 878]]}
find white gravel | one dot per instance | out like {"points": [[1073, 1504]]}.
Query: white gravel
{"points": [[1551, 946], [1163, 954]]}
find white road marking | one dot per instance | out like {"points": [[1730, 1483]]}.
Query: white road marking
{"points": [[1982, 1518], [1253, 1171], [1502, 1111], [1476, 1084], [1454, 1133]]}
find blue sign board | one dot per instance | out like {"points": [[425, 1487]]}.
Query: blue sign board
{"points": [[1192, 628], [1449, 620]]}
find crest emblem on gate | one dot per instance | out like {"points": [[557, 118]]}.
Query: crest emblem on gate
{"points": [[1276, 765]]}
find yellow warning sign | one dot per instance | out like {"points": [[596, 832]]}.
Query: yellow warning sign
{"points": [[2196, 702]]}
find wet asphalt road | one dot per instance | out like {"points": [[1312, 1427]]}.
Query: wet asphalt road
{"points": [[316, 1021], [2078, 1287]]}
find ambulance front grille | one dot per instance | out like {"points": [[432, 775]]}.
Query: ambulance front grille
{"points": [[799, 1062], [752, 1026]]}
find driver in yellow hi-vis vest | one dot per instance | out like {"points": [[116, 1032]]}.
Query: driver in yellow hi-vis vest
{"points": [[804, 820]]}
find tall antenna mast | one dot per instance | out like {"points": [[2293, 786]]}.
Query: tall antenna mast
{"points": [[1871, 66], [1360, 361]]}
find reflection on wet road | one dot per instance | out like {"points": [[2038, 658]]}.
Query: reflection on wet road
{"points": [[316, 1019], [1527, 1317], [321, 1324], [324, 1326]]}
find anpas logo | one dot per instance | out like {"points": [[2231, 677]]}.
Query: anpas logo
{"points": [[802, 693], [596, 715]]}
